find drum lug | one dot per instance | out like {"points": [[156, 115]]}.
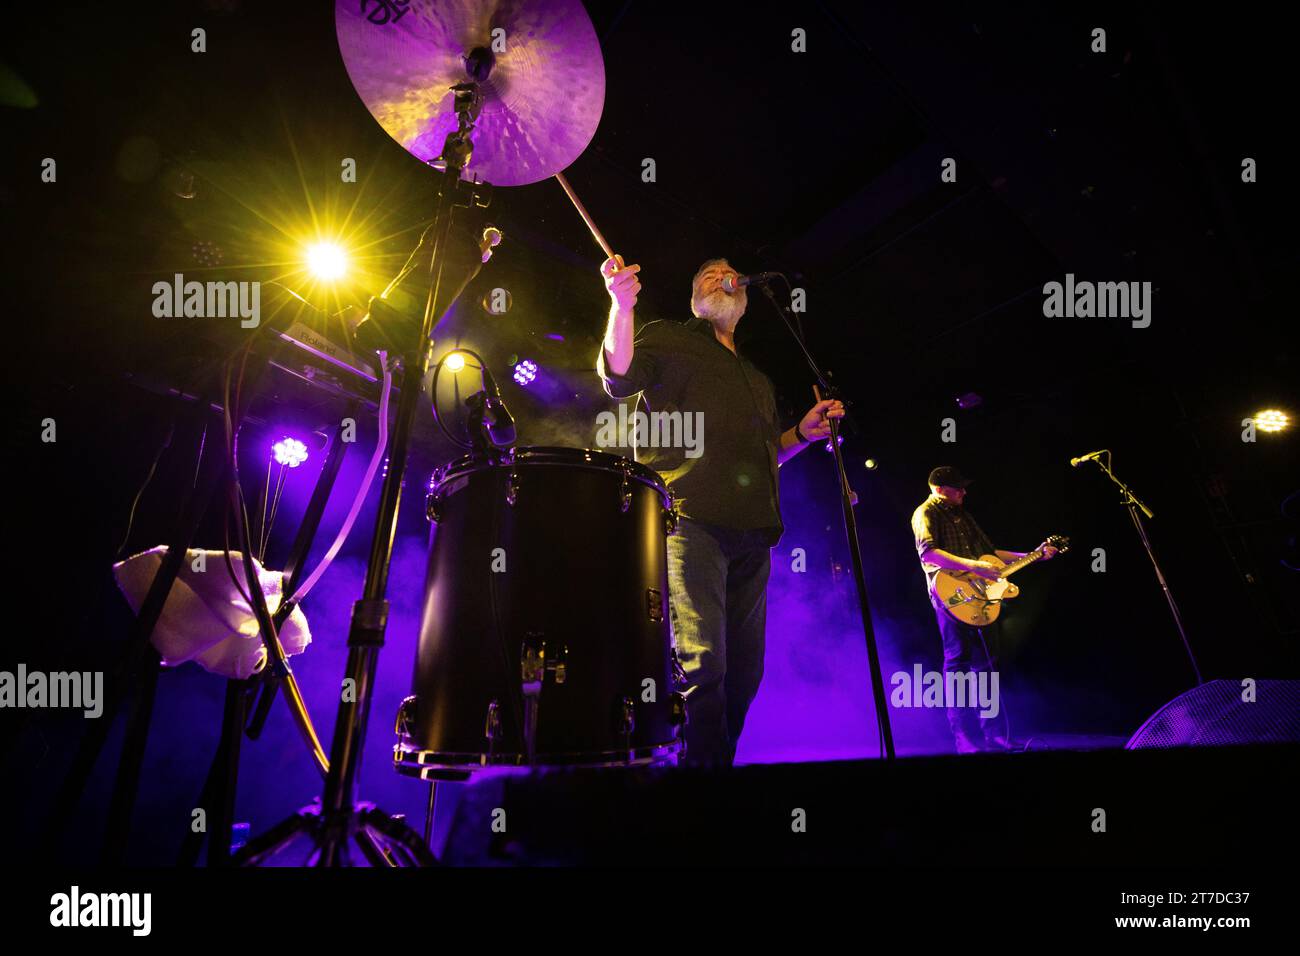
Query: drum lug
{"points": [[627, 717], [626, 489], [512, 488], [671, 515], [679, 716], [492, 726], [654, 600], [679, 672], [433, 507], [534, 664], [406, 716]]}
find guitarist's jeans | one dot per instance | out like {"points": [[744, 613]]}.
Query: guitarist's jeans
{"points": [[717, 594], [969, 649]]}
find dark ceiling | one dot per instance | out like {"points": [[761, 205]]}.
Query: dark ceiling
{"points": [[823, 165]]}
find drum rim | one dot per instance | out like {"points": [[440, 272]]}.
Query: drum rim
{"points": [[530, 455], [412, 762]]}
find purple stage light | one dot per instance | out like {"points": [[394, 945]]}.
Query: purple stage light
{"points": [[289, 451], [525, 372]]}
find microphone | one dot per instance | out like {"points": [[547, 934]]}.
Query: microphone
{"points": [[501, 426], [732, 283], [1076, 462]]}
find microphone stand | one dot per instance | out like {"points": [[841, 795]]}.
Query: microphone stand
{"points": [[1131, 502], [825, 389]]}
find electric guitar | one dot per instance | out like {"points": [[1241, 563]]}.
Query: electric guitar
{"points": [[976, 600]]}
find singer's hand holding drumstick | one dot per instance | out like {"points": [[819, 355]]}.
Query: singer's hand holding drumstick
{"points": [[622, 282], [623, 285]]}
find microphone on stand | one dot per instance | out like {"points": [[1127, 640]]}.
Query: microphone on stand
{"points": [[732, 283], [1076, 462]]}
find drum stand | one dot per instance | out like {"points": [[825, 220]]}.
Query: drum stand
{"points": [[339, 818], [826, 390]]}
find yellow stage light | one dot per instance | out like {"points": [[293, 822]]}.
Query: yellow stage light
{"points": [[326, 261], [455, 362], [1271, 420]]}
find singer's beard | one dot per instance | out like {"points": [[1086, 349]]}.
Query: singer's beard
{"points": [[723, 310]]}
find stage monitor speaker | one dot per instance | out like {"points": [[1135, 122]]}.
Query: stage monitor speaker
{"points": [[1222, 713]]}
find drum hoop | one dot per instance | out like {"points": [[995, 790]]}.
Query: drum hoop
{"points": [[411, 762], [548, 455]]}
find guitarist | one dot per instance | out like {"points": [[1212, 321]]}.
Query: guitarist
{"points": [[948, 537]]}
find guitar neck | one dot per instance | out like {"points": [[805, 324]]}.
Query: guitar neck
{"points": [[1024, 562]]}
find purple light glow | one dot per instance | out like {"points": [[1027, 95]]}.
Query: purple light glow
{"points": [[289, 451], [525, 372]]}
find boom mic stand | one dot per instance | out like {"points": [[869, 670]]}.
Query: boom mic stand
{"points": [[1131, 502], [823, 390], [383, 839]]}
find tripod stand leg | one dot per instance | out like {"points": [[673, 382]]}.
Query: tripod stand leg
{"points": [[375, 852], [222, 798], [399, 833], [139, 660], [262, 848], [148, 662], [430, 811], [127, 785], [218, 794]]}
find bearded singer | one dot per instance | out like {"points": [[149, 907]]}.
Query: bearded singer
{"points": [[727, 495]]}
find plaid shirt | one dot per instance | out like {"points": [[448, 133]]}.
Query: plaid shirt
{"points": [[938, 523]]}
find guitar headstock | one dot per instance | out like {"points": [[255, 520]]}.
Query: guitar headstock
{"points": [[1057, 541]]}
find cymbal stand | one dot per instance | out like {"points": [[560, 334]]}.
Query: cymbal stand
{"points": [[340, 818]]}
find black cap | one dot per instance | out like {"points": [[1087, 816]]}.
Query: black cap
{"points": [[948, 475]]}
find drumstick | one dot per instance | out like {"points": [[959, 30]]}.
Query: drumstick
{"points": [[582, 211]]}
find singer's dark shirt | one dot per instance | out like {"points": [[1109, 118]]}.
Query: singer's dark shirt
{"points": [[682, 367]]}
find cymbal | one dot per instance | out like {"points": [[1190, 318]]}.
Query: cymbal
{"points": [[541, 102]]}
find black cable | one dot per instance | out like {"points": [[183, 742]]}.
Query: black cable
{"points": [[130, 518], [275, 508], [407, 266], [433, 390], [988, 659], [228, 512], [266, 494]]}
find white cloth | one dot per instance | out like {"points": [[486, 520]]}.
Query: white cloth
{"points": [[205, 619]]}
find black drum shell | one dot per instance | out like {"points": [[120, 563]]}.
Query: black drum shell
{"points": [[585, 573]]}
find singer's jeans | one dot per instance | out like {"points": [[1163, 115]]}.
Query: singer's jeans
{"points": [[972, 649], [717, 587]]}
